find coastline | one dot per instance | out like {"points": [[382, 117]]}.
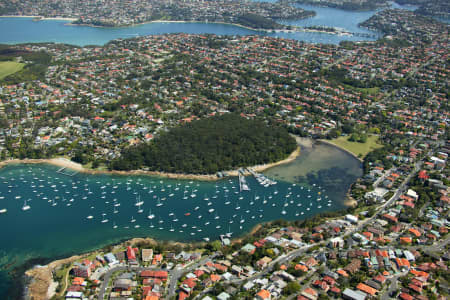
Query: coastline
{"points": [[343, 149], [294, 29], [41, 285], [66, 163], [183, 22], [41, 18]]}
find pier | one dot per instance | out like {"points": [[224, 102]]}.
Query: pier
{"points": [[243, 186], [262, 180]]}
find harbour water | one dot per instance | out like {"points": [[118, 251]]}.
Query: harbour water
{"points": [[50, 214]]}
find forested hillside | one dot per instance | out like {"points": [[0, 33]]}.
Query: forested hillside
{"points": [[209, 145]]}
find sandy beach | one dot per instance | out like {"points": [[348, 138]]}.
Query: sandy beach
{"points": [[66, 163]]}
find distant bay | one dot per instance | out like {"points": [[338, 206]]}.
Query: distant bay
{"points": [[25, 30]]}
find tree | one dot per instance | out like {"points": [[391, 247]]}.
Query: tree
{"points": [[292, 288]]}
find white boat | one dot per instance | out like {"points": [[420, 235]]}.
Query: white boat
{"points": [[139, 202], [132, 220], [150, 215], [2, 211], [89, 217], [103, 218], [211, 210], [25, 206]]}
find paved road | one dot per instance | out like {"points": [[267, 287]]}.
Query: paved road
{"points": [[381, 178], [106, 278], [108, 274], [176, 273], [393, 286]]}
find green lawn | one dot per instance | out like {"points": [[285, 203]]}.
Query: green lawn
{"points": [[9, 67], [359, 149]]}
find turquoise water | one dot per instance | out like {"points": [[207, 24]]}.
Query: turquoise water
{"points": [[57, 221]]}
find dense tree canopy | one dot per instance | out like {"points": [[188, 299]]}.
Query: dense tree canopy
{"points": [[210, 145]]}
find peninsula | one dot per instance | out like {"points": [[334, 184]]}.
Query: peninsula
{"points": [[254, 15]]}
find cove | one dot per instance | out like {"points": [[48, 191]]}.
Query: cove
{"points": [[58, 224]]}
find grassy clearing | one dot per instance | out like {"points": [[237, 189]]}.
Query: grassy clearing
{"points": [[358, 149], [9, 67]]}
